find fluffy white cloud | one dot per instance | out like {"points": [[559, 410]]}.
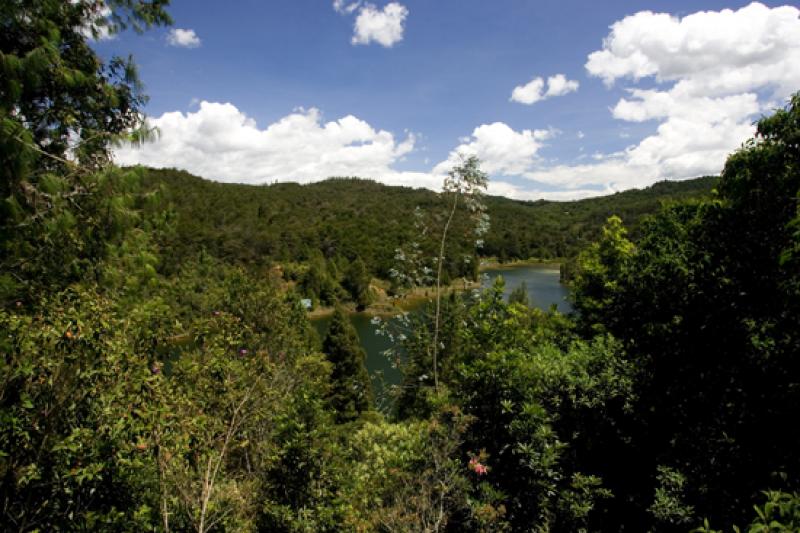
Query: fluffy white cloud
{"points": [[559, 85], [183, 38], [714, 73], [220, 142], [609, 175], [530, 93], [344, 7], [534, 90], [501, 149], [709, 53], [384, 27], [509, 190]]}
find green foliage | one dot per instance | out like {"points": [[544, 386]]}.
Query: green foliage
{"points": [[779, 514], [598, 269], [407, 476], [465, 182], [707, 305], [384, 457], [538, 398], [75, 402], [114, 410], [66, 243], [668, 508], [351, 390], [144, 390], [520, 295], [61, 108], [352, 218], [357, 283], [158, 372], [319, 285], [56, 93], [220, 430]]}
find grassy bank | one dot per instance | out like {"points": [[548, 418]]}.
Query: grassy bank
{"points": [[491, 263], [387, 305]]}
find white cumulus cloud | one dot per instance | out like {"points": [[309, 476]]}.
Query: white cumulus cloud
{"points": [[559, 85], [707, 53], [530, 93], [183, 38], [501, 149], [344, 7], [534, 90], [509, 190], [384, 27], [220, 142], [710, 75]]}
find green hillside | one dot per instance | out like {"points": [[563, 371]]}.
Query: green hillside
{"points": [[349, 218]]}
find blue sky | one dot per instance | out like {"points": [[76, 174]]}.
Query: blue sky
{"points": [[257, 91]]}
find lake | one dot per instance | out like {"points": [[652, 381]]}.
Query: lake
{"points": [[544, 290], [543, 283]]}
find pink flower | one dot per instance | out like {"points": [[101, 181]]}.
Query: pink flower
{"points": [[477, 467]]}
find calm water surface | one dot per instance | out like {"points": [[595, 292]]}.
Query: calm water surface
{"points": [[544, 290], [542, 281]]}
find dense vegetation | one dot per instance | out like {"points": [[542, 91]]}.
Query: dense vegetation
{"points": [[343, 219], [154, 382], [707, 306], [321, 233]]}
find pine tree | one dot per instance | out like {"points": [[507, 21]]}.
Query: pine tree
{"points": [[62, 109], [356, 282], [351, 393], [520, 295]]}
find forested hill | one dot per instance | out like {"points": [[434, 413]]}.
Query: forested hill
{"points": [[349, 218]]}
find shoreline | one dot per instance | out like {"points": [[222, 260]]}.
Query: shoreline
{"points": [[387, 306], [494, 264]]}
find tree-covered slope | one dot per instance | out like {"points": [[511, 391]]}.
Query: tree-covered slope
{"points": [[546, 229], [349, 218]]}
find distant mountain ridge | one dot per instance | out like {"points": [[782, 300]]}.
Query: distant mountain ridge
{"points": [[351, 217]]}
